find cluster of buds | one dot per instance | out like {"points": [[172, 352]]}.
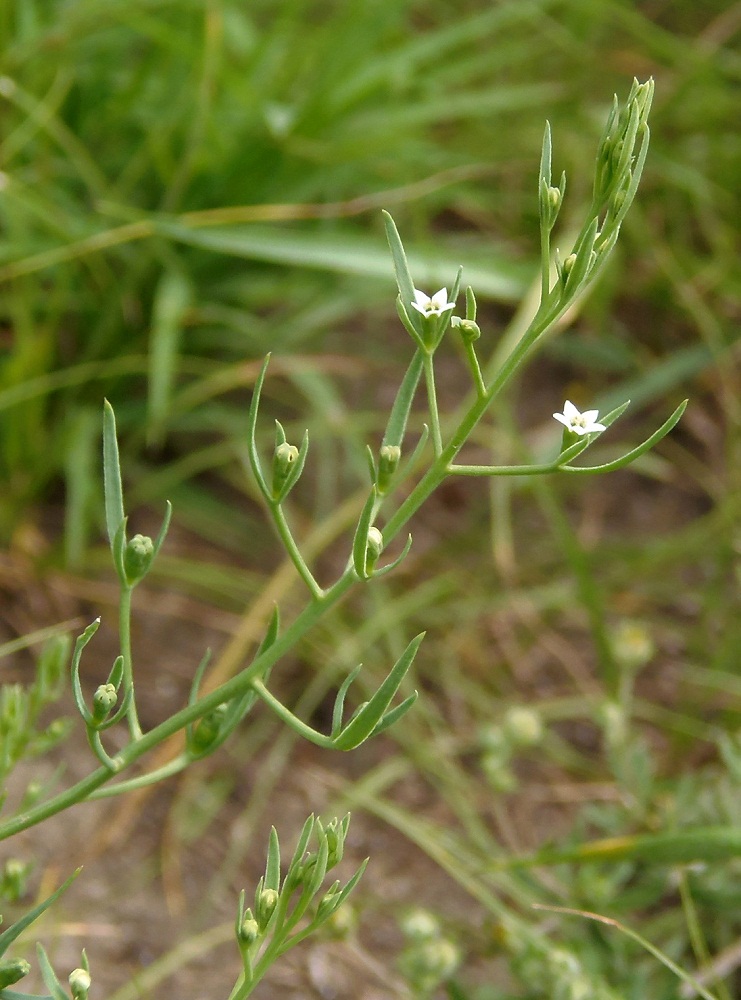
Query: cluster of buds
{"points": [[282, 902]]}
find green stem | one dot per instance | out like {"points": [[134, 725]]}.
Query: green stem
{"points": [[124, 631], [429, 369], [473, 364], [292, 549], [545, 261]]}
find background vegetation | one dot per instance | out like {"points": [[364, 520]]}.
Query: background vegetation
{"points": [[185, 186]]}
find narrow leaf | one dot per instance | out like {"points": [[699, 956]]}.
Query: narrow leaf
{"points": [[114, 505], [272, 866], [361, 727]]}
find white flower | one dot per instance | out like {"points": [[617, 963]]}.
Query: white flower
{"points": [[579, 423], [434, 306]]}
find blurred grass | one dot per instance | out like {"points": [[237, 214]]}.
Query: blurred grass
{"points": [[186, 186]]}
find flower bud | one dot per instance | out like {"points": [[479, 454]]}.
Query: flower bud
{"points": [[388, 461], [13, 879], [328, 902], [249, 929], [284, 456], [468, 330], [335, 844], [265, 904], [523, 726], [568, 265], [207, 730], [79, 983], [12, 970], [374, 547], [420, 925], [104, 700], [138, 556]]}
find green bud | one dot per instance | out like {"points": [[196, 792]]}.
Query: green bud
{"points": [[328, 902], [469, 330], [568, 265], [523, 726], [138, 556], [632, 645], [12, 970], [249, 929], [420, 925], [207, 730], [335, 843], [104, 700], [388, 461], [13, 881], [265, 903], [284, 456], [79, 982], [374, 547]]}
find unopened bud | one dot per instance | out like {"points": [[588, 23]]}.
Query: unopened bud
{"points": [[79, 983], [374, 547], [469, 330], [335, 845], [523, 726], [420, 925], [12, 970], [13, 880], [328, 903], [104, 700], [568, 264], [249, 929], [284, 456], [208, 730], [388, 461], [265, 904], [138, 557]]}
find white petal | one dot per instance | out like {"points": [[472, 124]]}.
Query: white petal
{"points": [[420, 299], [564, 420], [570, 411], [589, 416]]}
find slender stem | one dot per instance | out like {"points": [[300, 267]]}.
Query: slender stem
{"points": [[545, 261], [473, 364], [124, 632], [172, 767], [429, 369], [292, 548]]}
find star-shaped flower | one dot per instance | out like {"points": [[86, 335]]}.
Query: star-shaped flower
{"points": [[434, 306], [579, 423]]}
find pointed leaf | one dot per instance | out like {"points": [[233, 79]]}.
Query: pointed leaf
{"points": [[404, 280], [252, 451], [272, 866], [360, 541], [49, 975], [113, 489], [9, 936], [361, 727], [399, 417], [339, 702]]}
